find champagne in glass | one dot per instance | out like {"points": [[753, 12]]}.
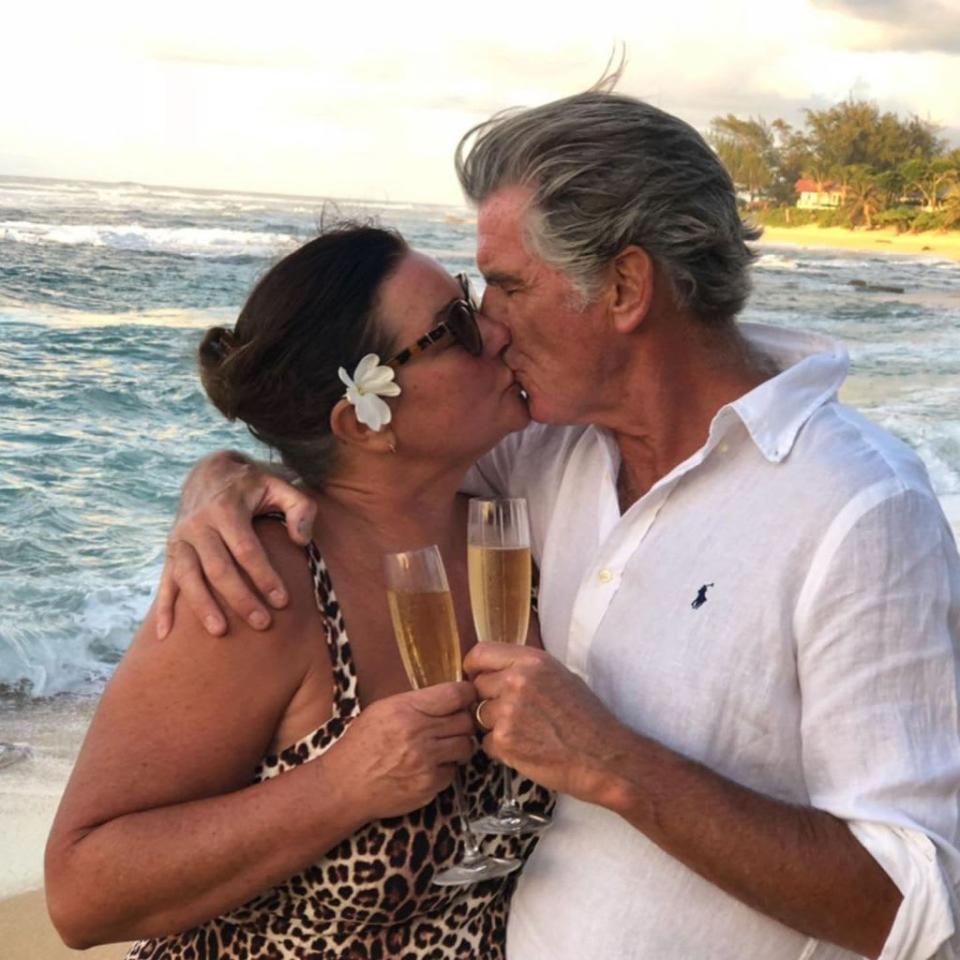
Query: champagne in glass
{"points": [[417, 616], [498, 561], [500, 592], [426, 630]]}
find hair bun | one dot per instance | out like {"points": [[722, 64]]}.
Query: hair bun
{"points": [[218, 344]]}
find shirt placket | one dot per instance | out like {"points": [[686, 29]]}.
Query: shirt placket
{"points": [[602, 581]]}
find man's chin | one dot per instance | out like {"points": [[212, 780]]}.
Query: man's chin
{"points": [[530, 401], [523, 409], [541, 412]]}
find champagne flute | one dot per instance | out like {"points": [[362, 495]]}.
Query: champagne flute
{"points": [[498, 562], [426, 629]]}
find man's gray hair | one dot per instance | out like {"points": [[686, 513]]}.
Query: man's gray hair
{"points": [[607, 171]]}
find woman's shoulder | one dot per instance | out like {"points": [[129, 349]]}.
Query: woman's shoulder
{"points": [[193, 714], [241, 644]]}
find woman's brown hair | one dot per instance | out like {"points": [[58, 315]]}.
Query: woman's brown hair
{"points": [[311, 313]]}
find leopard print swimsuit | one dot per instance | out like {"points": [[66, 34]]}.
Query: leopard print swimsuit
{"points": [[370, 897]]}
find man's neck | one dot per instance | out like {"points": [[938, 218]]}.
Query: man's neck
{"points": [[670, 396]]}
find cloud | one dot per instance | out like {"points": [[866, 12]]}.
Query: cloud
{"points": [[183, 54], [906, 25], [326, 99]]}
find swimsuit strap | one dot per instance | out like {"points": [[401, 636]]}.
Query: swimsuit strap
{"points": [[345, 701]]}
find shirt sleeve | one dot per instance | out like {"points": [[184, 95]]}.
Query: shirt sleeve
{"points": [[477, 483], [495, 473], [877, 630]]}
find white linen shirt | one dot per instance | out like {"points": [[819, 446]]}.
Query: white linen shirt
{"points": [[782, 607]]}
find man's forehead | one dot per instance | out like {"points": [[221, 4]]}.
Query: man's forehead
{"points": [[500, 222], [504, 208]]}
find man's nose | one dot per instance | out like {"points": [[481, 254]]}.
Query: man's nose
{"points": [[491, 304], [496, 335]]}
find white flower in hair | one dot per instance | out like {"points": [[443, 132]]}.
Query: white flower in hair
{"points": [[369, 383]]}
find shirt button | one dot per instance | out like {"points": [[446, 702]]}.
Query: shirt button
{"points": [[724, 447], [604, 576]]}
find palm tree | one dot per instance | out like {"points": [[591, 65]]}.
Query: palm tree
{"points": [[866, 194]]}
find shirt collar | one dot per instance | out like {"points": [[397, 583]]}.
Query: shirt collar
{"points": [[812, 366], [812, 369]]}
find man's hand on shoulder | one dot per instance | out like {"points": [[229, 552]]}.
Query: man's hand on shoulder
{"points": [[213, 539]]}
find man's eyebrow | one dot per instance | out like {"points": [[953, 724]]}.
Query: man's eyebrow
{"points": [[499, 279]]}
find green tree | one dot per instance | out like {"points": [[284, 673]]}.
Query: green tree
{"points": [[951, 211], [866, 194], [932, 178], [871, 157], [891, 184], [855, 133], [792, 160], [746, 149]]}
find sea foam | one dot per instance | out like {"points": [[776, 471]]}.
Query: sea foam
{"points": [[185, 241], [102, 414]]}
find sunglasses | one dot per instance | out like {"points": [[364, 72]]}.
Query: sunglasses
{"points": [[458, 322]]}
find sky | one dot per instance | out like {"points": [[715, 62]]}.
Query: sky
{"points": [[367, 100]]}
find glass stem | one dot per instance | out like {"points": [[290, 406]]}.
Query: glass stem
{"points": [[471, 846], [508, 805]]}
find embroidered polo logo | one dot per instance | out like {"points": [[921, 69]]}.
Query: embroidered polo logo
{"points": [[701, 598]]}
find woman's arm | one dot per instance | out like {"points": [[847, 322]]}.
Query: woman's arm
{"points": [[160, 828]]}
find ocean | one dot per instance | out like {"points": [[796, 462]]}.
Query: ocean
{"points": [[104, 292]]}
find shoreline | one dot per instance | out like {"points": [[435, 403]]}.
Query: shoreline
{"points": [[932, 244], [30, 791]]}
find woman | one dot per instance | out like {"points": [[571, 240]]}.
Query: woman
{"points": [[330, 850]]}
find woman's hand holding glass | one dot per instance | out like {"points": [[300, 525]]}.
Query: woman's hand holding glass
{"points": [[401, 751], [426, 629]]}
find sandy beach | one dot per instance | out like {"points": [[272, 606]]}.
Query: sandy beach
{"points": [[27, 934], [946, 245], [29, 793]]}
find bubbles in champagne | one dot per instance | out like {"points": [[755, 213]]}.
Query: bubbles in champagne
{"points": [[426, 630], [500, 592]]}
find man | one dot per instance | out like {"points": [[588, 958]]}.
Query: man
{"points": [[749, 595]]}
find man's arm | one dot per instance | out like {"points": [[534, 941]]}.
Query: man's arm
{"points": [[878, 677], [214, 534], [213, 538], [799, 865]]}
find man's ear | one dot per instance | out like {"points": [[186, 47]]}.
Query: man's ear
{"points": [[633, 277], [345, 426]]}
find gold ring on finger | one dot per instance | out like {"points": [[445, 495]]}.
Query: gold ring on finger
{"points": [[478, 715]]}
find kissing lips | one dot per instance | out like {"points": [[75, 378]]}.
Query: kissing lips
{"points": [[524, 396]]}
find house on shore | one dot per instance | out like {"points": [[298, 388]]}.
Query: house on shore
{"points": [[812, 195]]}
